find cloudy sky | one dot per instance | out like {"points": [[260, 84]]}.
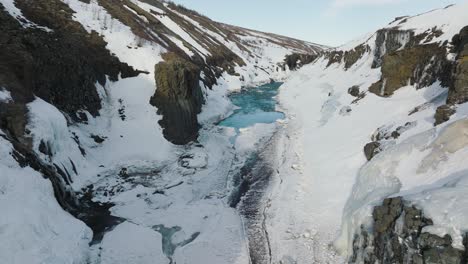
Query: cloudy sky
{"points": [[329, 22]]}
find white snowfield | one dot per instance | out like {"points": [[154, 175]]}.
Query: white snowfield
{"points": [[329, 189], [324, 188]]}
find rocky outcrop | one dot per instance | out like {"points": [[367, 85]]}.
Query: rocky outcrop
{"points": [[390, 40], [421, 65], [352, 56], [458, 83], [371, 149], [397, 236], [349, 57], [178, 98], [354, 91], [385, 137], [61, 66], [297, 60], [443, 114], [458, 92]]}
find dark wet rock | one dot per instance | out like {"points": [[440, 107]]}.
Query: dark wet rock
{"points": [[397, 237], [98, 139], [123, 173], [354, 91], [432, 241], [13, 120], [371, 149], [296, 60], [178, 98], [458, 92], [443, 114]]}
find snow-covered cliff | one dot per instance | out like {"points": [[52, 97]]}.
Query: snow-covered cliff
{"points": [[364, 127]]}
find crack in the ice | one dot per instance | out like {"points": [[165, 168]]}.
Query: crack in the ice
{"points": [[265, 229]]}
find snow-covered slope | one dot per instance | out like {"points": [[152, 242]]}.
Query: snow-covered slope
{"points": [[108, 113], [80, 119], [359, 94]]}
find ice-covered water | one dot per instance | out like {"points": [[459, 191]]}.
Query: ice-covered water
{"points": [[256, 105]]}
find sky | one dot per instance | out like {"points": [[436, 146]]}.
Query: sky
{"points": [[326, 22]]}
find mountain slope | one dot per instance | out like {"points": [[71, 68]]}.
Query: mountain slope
{"points": [[103, 100], [367, 123]]}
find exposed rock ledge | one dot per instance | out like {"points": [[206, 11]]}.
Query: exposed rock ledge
{"points": [[398, 237]]}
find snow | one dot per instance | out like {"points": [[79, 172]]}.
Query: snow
{"points": [[120, 39], [179, 31], [147, 7], [184, 187], [48, 125], [5, 95], [33, 227], [18, 15], [135, 13], [323, 188], [181, 45], [249, 137], [326, 188], [449, 20], [130, 243]]}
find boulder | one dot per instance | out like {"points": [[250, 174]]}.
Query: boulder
{"points": [[371, 149], [354, 91], [443, 114]]}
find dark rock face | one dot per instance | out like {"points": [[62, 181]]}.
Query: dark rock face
{"points": [[458, 92], [13, 119], [443, 114], [397, 237], [390, 40], [352, 56], [349, 57], [408, 59], [387, 41], [179, 99], [371, 149], [421, 65], [62, 66], [335, 56], [296, 60]]}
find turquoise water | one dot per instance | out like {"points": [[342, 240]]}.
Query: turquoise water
{"points": [[168, 247], [256, 105]]}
